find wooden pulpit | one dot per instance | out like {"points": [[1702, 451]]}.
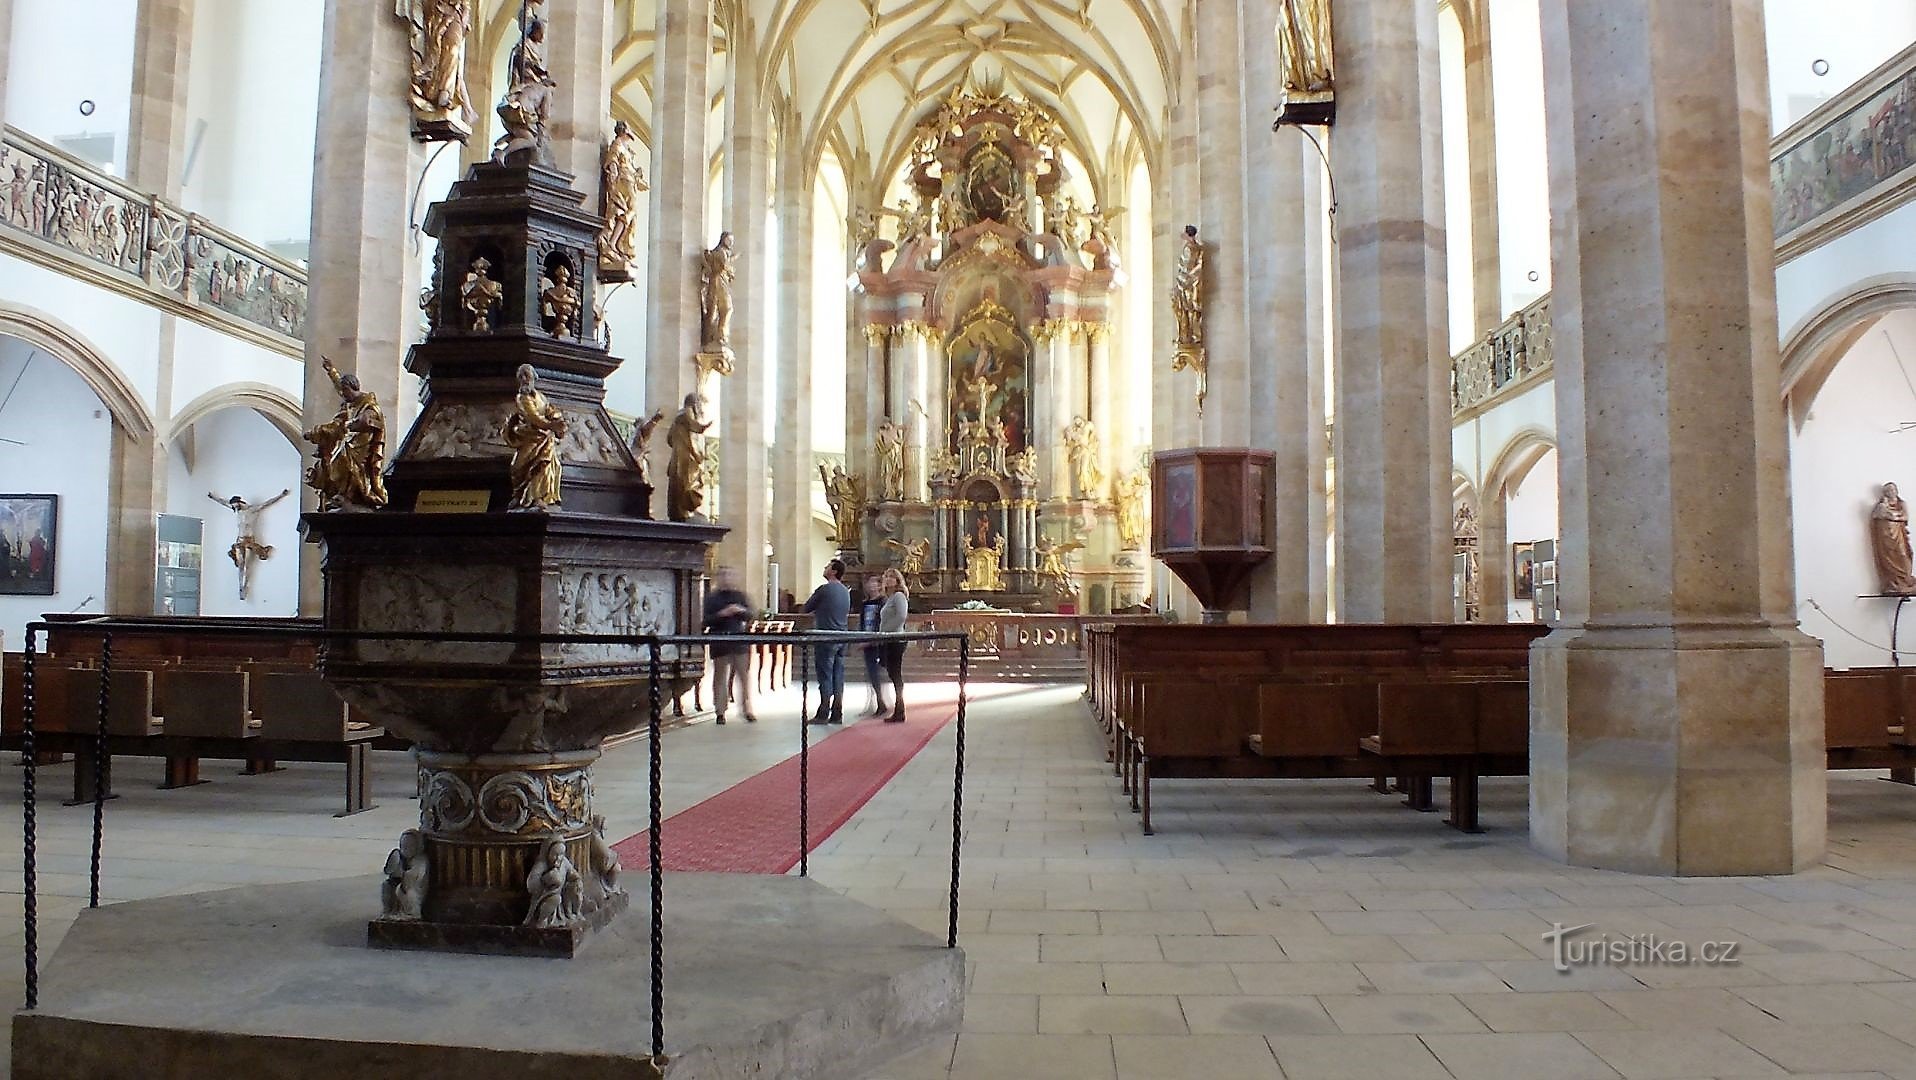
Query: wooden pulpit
{"points": [[1210, 519]]}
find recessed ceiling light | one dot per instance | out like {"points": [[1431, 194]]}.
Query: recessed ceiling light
{"points": [[86, 107], [1820, 67]]}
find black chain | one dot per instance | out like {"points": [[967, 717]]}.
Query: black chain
{"points": [[28, 877], [958, 789], [99, 768], [805, 757], [658, 871]]}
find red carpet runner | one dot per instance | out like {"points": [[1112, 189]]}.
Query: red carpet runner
{"points": [[752, 826]]}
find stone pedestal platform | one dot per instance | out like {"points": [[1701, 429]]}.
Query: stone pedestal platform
{"points": [[764, 976]]}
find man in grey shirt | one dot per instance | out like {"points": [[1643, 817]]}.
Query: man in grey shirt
{"points": [[829, 606]]}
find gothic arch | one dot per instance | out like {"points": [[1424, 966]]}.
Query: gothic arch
{"points": [[1820, 339], [1519, 455], [273, 404], [70, 347]]}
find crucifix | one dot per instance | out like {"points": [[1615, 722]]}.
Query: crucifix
{"points": [[247, 549]]}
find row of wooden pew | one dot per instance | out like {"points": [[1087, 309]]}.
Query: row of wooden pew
{"points": [[1381, 701], [184, 710]]}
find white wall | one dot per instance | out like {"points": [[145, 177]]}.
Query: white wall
{"points": [[1523, 180], [1846, 449], [126, 332], [1530, 515], [1851, 36], [55, 438], [1478, 443], [67, 51], [236, 452], [1809, 281]]}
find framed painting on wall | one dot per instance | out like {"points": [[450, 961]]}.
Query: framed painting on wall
{"points": [[1523, 570], [28, 544]]}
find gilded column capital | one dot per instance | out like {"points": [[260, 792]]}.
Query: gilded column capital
{"points": [[1050, 329], [876, 333], [914, 329], [1097, 333]]}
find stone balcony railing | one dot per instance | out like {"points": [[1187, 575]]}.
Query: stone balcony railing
{"points": [[67, 215], [1510, 359]]}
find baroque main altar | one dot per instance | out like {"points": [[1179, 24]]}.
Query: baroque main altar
{"points": [[981, 449]]}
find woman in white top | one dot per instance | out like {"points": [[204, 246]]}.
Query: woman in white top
{"points": [[891, 620]]}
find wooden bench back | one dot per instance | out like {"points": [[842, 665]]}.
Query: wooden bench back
{"points": [[297, 705], [204, 704], [1860, 707]]}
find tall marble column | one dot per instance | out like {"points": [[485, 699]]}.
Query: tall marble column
{"points": [[792, 474], [675, 211], [363, 309], [1676, 716], [579, 53], [1059, 395], [1480, 132], [743, 458], [1393, 401]]}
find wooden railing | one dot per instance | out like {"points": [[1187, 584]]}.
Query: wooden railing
{"points": [[67, 215]]}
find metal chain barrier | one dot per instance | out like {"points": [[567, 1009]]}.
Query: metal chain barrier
{"points": [[958, 788], [99, 769], [29, 878]]}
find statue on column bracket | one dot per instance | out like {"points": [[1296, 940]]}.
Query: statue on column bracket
{"points": [[1889, 541], [641, 439], [623, 181], [1304, 49], [847, 501], [1187, 309], [528, 102], [533, 431], [1101, 247], [890, 441], [1081, 443], [718, 272], [685, 474], [441, 110], [350, 449], [1131, 510]]}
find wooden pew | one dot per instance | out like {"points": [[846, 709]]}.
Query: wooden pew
{"points": [[1461, 729]]}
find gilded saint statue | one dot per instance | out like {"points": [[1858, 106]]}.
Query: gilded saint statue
{"points": [[984, 560], [1304, 50], [349, 449], [533, 431], [622, 182], [685, 473], [479, 294], [717, 274], [846, 497], [527, 104], [558, 302], [1187, 309], [1131, 510], [1054, 571], [1889, 540], [1081, 443], [437, 31], [642, 441], [890, 442]]}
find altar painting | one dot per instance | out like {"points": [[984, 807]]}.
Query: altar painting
{"points": [[989, 346]]}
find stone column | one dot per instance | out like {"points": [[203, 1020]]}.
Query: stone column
{"points": [[910, 405], [937, 413], [1318, 296], [676, 212], [1100, 372], [156, 127], [743, 461], [1393, 403], [1676, 717], [792, 473], [1185, 209], [1060, 395], [1493, 555], [363, 310], [1480, 107], [1217, 41], [579, 52]]}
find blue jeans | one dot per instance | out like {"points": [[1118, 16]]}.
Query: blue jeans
{"points": [[831, 675]]}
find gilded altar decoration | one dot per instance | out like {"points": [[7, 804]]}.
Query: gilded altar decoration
{"points": [[1024, 465], [247, 548], [890, 442], [846, 497], [1131, 510], [685, 472], [533, 431], [911, 557], [403, 894], [479, 295], [642, 439], [1304, 54], [527, 105], [558, 302], [437, 38], [622, 181], [1889, 541], [943, 466], [984, 560], [349, 449], [1053, 571], [914, 220], [1081, 444], [718, 273]]}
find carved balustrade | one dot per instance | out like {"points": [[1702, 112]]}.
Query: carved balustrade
{"points": [[1509, 359]]}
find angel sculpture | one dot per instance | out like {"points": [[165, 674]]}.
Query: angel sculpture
{"points": [[1052, 568], [911, 557]]}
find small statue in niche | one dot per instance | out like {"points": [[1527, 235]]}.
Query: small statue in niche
{"points": [[349, 449], [685, 473], [641, 440], [890, 441], [605, 861], [553, 883], [717, 274], [1889, 541], [437, 38], [558, 301], [623, 183], [479, 294], [528, 100], [247, 549], [403, 894], [533, 431]]}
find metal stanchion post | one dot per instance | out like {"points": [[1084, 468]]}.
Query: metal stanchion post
{"points": [[958, 788], [655, 835], [99, 768], [30, 769], [805, 758]]}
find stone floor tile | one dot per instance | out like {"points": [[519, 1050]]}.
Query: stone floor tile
{"points": [[1033, 1057], [1823, 1004], [1697, 1008], [1803, 1048], [1156, 1057], [1408, 1014], [1375, 922], [1248, 1015], [1098, 1014], [1454, 945], [1159, 923], [1302, 977], [1356, 1057], [1013, 977], [1217, 948], [1006, 1014], [1671, 1055], [1824, 967], [1099, 947], [1553, 1055], [1565, 1011], [1343, 947], [1165, 978], [1043, 922], [933, 1062]]}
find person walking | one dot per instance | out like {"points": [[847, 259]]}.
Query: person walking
{"points": [[728, 611], [829, 606], [891, 620], [874, 653]]}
